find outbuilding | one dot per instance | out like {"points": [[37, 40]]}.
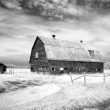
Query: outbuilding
{"points": [[2, 68]]}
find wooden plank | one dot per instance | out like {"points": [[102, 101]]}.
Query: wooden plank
{"points": [[71, 78], [85, 83], [104, 79]]}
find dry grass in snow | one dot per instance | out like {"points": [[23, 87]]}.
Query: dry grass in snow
{"points": [[31, 91]]}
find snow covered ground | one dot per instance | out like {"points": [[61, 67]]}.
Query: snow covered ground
{"points": [[22, 90]]}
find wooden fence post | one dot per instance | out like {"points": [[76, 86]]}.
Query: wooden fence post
{"points": [[104, 79], [85, 79], [13, 71], [71, 78]]}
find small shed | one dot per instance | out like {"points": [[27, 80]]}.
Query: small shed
{"points": [[2, 68]]}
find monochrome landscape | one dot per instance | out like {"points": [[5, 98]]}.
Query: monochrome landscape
{"points": [[72, 36]]}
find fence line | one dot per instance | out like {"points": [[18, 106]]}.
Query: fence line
{"points": [[107, 75], [86, 75], [104, 79], [104, 76], [84, 78], [93, 75], [97, 76], [71, 78], [78, 77]]}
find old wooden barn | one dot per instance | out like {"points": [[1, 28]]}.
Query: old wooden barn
{"points": [[2, 68], [55, 56]]}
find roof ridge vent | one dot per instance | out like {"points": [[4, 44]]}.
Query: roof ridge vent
{"points": [[53, 36], [81, 41]]}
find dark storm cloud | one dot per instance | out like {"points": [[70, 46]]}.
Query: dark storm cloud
{"points": [[54, 8]]}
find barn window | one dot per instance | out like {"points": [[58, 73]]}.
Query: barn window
{"points": [[36, 55], [53, 69], [65, 68], [91, 52]]}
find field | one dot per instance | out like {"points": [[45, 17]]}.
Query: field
{"points": [[22, 90]]}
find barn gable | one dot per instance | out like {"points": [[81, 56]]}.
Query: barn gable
{"points": [[38, 52]]}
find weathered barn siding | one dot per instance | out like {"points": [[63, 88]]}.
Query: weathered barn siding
{"points": [[76, 66], [73, 66], [52, 55], [94, 66]]}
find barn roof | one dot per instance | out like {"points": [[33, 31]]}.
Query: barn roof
{"points": [[67, 50], [62, 43]]}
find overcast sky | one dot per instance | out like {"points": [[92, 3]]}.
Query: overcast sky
{"points": [[18, 32]]}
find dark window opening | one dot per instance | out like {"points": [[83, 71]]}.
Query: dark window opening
{"points": [[53, 69], [91, 52], [65, 68]]}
